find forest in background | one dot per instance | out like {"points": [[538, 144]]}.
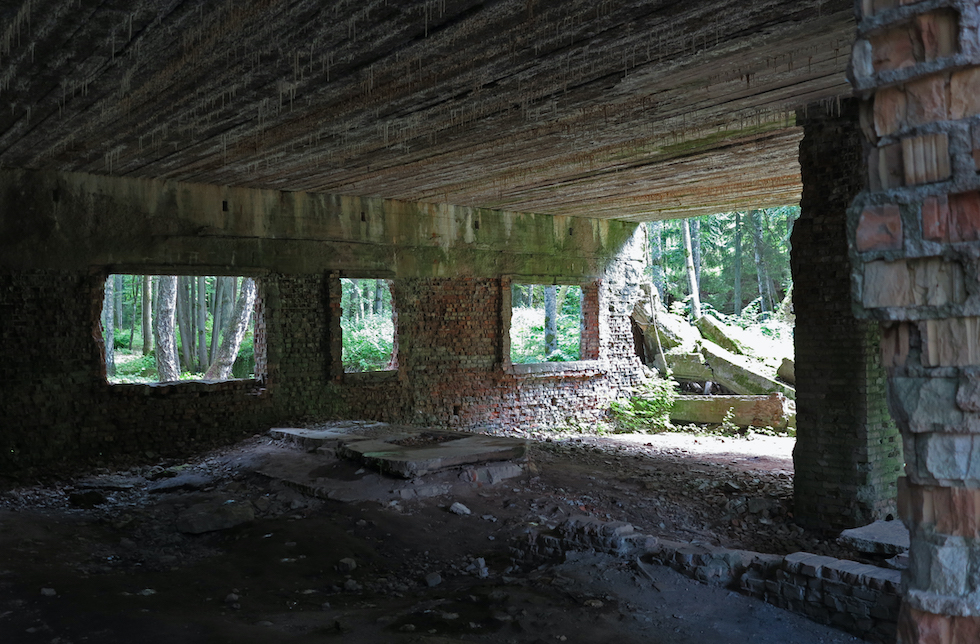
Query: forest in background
{"points": [[740, 261], [367, 325], [175, 327]]}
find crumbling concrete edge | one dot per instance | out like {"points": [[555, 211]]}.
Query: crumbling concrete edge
{"points": [[858, 598]]}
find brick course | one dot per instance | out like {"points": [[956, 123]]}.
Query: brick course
{"points": [[848, 453]]}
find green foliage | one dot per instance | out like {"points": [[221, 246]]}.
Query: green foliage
{"points": [[135, 368], [368, 343], [244, 365], [648, 409], [717, 257], [121, 338], [367, 325], [132, 367], [527, 325]]}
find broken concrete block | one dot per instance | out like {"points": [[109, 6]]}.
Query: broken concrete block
{"points": [[787, 371], [891, 170], [964, 92], [926, 158], [413, 460], [936, 282], [880, 537], [935, 218], [937, 32], [894, 345], [926, 100], [688, 366], [964, 217], [950, 342], [208, 517], [773, 410], [892, 49], [715, 330], [924, 404], [734, 373], [879, 228], [862, 56], [890, 108], [887, 284]]}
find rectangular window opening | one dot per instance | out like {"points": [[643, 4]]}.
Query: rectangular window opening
{"points": [[169, 328], [546, 323], [367, 323]]}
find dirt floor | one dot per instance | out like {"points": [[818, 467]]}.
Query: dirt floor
{"points": [[403, 570]]}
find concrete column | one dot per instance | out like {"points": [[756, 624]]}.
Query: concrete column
{"points": [[848, 452], [915, 250]]}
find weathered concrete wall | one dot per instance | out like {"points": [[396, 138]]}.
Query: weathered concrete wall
{"points": [[848, 453], [60, 234], [915, 241]]}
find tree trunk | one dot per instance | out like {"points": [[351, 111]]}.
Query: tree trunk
{"points": [[217, 305], [163, 327], [147, 316], [737, 296], [760, 267], [692, 279], [108, 325], [132, 313], [379, 302], [696, 249], [518, 298], [357, 311], [184, 321], [117, 289], [202, 323], [220, 368], [656, 236], [550, 321]]}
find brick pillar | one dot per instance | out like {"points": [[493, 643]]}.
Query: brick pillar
{"points": [[848, 451], [915, 250]]}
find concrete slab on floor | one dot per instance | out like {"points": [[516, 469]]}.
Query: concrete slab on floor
{"points": [[415, 455], [880, 537], [406, 452]]}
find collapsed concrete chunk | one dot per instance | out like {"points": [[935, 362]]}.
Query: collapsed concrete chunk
{"points": [[687, 366], [880, 537], [674, 331], [733, 372], [773, 410], [787, 371], [715, 330]]}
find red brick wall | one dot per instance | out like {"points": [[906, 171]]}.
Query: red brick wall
{"points": [[59, 410]]}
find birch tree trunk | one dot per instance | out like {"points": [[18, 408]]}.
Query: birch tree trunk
{"points": [[737, 269], [202, 322], [656, 237], [550, 321], [184, 321], [696, 249], [760, 268], [692, 279], [223, 360], [147, 315], [163, 325], [108, 325]]}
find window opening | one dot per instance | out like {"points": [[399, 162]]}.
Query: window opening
{"points": [[367, 324], [545, 323], [165, 328]]}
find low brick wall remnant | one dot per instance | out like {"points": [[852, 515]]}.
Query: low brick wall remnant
{"points": [[855, 597]]}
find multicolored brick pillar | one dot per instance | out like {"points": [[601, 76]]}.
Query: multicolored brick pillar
{"points": [[914, 238]]}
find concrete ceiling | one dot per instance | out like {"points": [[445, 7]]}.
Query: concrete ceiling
{"points": [[628, 109]]}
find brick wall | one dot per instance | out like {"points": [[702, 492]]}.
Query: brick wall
{"points": [[58, 408], [848, 454]]}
